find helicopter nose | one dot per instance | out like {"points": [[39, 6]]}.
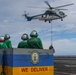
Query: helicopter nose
{"points": [[65, 15]]}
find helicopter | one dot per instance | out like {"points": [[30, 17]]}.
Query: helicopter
{"points": [[52, 13]]}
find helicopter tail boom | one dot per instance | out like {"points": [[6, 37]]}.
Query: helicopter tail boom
{"points": [[27, 17]]}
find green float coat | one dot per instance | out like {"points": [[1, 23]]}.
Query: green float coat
{"points": [[8, 43], [35, 43], [3, 45], [23, 44]]}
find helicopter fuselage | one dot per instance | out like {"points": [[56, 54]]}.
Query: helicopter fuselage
{"points": [[53, 13], [48, 16]]}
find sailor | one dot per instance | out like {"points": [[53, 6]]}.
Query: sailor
{"points": [[7, 41], [23, 43], [2, 44], [34, 42]]}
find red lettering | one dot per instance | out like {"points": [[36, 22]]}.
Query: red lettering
{"points": [[46, 69], [24, 69], [31, 69], [39, 69]]}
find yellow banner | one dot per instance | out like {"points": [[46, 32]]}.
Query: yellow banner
{"points": [[39, 70], [0, 68]]}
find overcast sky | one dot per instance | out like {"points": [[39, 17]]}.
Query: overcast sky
{"points": [[63, 32]]}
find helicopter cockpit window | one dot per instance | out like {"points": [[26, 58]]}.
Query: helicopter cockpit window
{"points": [[61, 13]]}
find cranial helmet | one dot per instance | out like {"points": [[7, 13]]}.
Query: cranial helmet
{"points": [[34, 34], [6, 36], [24, 36], [2, 38]]}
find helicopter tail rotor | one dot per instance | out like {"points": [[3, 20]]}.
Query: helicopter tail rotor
{"points": [[25, 14], [27, 17]]}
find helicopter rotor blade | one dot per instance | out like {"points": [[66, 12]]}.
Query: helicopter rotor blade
{"points": [[48, 4], [37, 7], [64, 5], [51, 7], [62, 9]]}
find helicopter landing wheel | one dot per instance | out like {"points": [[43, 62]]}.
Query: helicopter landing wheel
{"points": [[61, 19]]}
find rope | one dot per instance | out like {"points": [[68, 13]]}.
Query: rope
{"points": [[51, 35], [51, 46]]}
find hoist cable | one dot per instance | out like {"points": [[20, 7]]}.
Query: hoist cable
{"points": [[51, 34], [51, 46]]}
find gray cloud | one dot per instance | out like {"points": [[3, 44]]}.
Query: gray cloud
{"points": [[12, 22]]}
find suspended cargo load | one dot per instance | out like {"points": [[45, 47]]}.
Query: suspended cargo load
{"points": [[52, 48]]}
